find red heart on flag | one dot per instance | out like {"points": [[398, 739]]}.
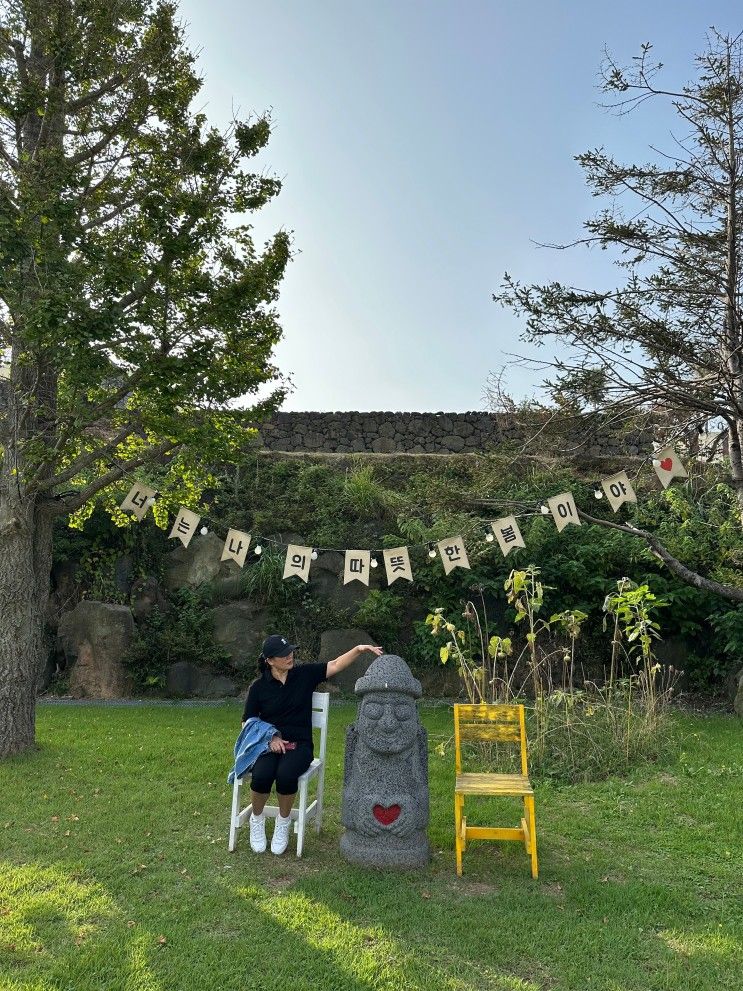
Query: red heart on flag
{"points": [[666, 464], [386, 814]]}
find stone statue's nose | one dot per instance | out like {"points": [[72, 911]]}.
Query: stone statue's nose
{"points": [[388, 721]]}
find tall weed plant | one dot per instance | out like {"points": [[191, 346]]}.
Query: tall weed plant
{"points": [[579, 728]]}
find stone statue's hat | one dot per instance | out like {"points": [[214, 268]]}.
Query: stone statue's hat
{"points": [[389, 673]]}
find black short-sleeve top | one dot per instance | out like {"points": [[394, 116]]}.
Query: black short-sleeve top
{"points": [[289, 705]]}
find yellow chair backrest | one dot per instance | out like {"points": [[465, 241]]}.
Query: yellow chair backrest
{"points": [[493, 723]]}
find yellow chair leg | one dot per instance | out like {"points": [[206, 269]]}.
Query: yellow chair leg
{"points": [[458, 807], [531, 820]]}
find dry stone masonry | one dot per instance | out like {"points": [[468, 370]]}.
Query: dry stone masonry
{"points": [[419, 433]]}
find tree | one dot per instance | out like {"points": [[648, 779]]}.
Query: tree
{"points": [[667, 343], [134, 306]]}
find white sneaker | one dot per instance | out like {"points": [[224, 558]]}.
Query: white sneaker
{"points": [[280, 838], [258, 833]]}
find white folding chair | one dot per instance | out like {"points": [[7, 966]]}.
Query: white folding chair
{"points": [[302, 812]]}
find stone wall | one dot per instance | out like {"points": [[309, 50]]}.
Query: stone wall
{"points": [[423, 433]]}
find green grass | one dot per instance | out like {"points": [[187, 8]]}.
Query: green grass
{"points": [[114, 874]]}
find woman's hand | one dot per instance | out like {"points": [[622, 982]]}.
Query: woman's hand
{"points": [[277, 745], [363, 647]]}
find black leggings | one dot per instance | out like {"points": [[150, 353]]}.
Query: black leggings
{"points": [[284, 769]]}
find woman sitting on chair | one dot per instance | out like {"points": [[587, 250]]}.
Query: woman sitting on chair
{"points": [[282, 695]]}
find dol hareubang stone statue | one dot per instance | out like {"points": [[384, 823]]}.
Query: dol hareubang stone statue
{"points": [[385, 785]]}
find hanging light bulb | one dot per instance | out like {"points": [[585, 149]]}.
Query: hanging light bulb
{"points": [[431, 551], [489, 537], [258, 550], [150, 501], [598, 494], [204, 530], [374, 563], [313, 555], [544, 510], [656, 463]]}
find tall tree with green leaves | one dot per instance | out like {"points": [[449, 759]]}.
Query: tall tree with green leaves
{"points": [[665, 344], [135, 308]]}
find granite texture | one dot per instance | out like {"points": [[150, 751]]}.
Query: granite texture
{"points": [[385, 786]]}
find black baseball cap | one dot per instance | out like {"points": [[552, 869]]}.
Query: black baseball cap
{"points": [[276, 646]]}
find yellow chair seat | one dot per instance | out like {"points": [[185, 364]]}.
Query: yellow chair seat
{"points": [[493, 784]]}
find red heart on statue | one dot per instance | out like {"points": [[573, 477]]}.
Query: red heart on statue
{"points": [[666, 464], [386, 814]]}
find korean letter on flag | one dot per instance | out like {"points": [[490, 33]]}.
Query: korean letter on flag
{"points": [[236, 547], [298, 562], [453, 554], [397, 564], [508, 534], [357, 567], [137, 501], [185, 525], [563, 510], [618, 490]]}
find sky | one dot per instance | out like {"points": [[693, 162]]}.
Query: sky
{"points": [[425, 148]]}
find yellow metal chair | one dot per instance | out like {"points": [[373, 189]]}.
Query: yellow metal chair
{"points": [[496, 724]]}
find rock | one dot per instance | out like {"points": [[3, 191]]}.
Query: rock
{"points": [[241, 627], [326, 582], [97, 636], [65, 593], [123, 572], [146, 596], [453, 442], [385, 782], [333, 643], [197, 563], [738, 700], [673, 651], [184, 680], [383, 445]]}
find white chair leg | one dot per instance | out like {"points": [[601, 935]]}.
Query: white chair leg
{"points": [[301, 816], [319, 799], [235, 814]]}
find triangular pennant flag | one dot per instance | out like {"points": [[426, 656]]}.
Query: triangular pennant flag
{"points": [[453, 554], [139, 500], [357, 567], [668, 466], [298, 562], [397, 564], [618, 490], [236, 547], [564, 510], [507, 534], [185, 525]]}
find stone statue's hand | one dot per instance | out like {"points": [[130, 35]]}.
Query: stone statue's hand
{"points": [[367, 825], [401, 825], [404, 823]]}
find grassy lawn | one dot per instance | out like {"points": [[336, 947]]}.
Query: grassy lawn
{"points": [[114, 873]]}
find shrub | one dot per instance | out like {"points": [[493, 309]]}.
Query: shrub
{"points": [[380, 615], [182, 632]]}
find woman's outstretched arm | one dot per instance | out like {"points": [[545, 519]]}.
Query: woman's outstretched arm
{"points": [[350, 656]]}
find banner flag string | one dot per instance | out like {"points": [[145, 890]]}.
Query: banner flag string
{"points": [[452, 552]]}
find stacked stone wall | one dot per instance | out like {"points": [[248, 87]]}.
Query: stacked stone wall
{"points": [[425, 433]]}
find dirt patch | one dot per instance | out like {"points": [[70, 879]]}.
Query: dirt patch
{"points": [[474, 889]]}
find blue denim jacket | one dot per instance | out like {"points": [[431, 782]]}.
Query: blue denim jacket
{"points": [[254, 740]]}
